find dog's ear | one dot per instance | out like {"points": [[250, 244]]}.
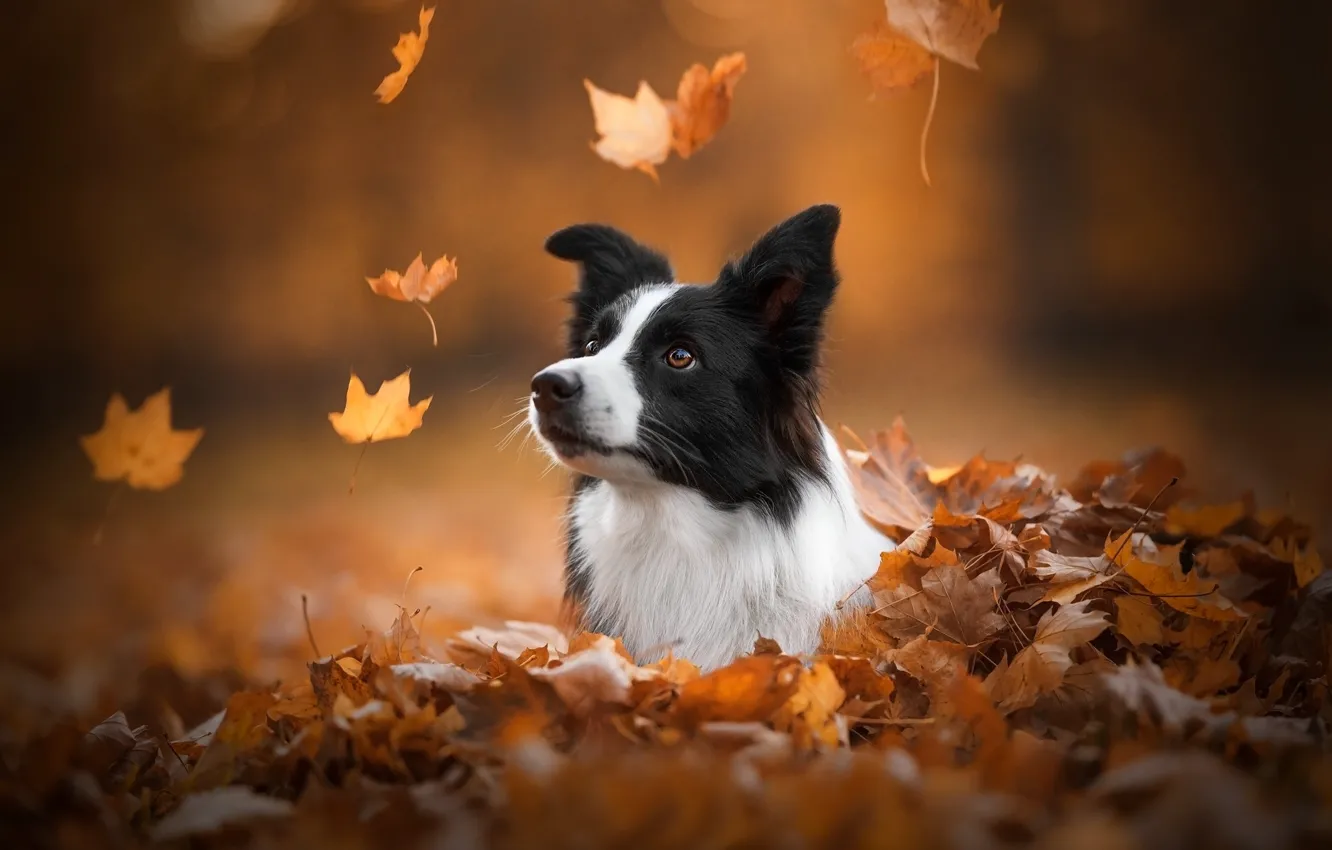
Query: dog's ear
{"points": [[611, 261], [787, 280]]}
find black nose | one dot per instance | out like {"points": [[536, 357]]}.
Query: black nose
{"points": [[553, 388]]}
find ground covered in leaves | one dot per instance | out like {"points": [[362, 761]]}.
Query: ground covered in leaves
{"points": [[1102, 664]]}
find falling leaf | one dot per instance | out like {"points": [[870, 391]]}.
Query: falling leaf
{"points": [[953, 29], [418, 284], [139, 446], [635, 132], [1040, 667], [408, 51], [386, 415], [898, 54], [703, 103]]}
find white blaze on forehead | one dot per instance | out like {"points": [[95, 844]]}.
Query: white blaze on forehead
{"points": [[612, 403]]}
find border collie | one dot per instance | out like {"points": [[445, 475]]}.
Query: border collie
{"points": [[711, 504]]}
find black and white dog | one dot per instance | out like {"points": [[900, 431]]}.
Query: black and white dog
{"points": [[711, 504]]}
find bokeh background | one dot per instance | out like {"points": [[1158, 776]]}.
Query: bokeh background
{"points": [[1127, 243]]}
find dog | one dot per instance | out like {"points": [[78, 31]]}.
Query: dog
{"points": [[710, 505]]}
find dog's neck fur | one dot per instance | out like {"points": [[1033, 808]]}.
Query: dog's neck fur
{"points": [[665, 569]]}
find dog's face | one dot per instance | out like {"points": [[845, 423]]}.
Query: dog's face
{"points": [[712, 387]]}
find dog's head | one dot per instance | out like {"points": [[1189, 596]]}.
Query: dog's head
{"points": [[712, 387]]}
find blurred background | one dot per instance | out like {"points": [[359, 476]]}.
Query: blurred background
{"points": [[1127, 243]]}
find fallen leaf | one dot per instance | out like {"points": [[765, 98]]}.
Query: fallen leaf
{"points": [[1070, 576], [386, 415], [810, 713], [139, 446], [1206, 521], [1040, 667], [408, 51], [635, 132], [751, 688], [1307, 562], [959, 608], [1165, 578], [1139, 620]]}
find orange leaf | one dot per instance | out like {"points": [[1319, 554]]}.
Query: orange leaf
{"points": [[1167, 580], [139, 446], [408, 51], [703, 103], [891, 61], [1207, 521], [751, 688], [810, 713], [417, 283], [1040, 667], [1308, 563], [1140, 621], [385, 415]]}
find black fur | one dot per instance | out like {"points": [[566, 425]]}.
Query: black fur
{"points": [[741, 426]]}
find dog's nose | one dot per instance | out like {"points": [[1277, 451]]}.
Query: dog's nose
{"points": [[553, 388]]}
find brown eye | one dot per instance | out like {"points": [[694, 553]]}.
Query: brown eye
{"points": [[679, 358], [592, 347]]}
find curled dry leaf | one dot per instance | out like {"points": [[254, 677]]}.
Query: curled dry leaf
{"points": [[703, 103], [139, 446], [418, 284], [386, 415], [1166, 579], [408, 51]]}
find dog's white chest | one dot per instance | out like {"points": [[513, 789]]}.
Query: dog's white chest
{"points": [[667, 571]]}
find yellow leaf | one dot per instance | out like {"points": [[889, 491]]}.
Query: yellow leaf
{"points": [[1167, 580], [635, 132], [811, 712], [703, 102], [408, 52], [383, 416], [139, 446], [1139, 621], [1308, 563]]}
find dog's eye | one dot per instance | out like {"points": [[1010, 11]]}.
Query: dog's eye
{"points": [[592, 346], [679, 358]]}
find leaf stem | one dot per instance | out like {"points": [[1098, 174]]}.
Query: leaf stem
{"points": [[106, 512], [929, 119], [309, 631], [434, 332]]}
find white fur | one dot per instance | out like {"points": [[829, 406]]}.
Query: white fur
{"points": [[611, 405], [672, 572]]}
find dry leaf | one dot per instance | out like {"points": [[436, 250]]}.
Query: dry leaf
{"points": [[891, 61], [953, 29], [750, 688], [418, 284], [139, 446], [385, 415], [408, 52], [1139, 620], [703, 103], [1166, 580], [1040, 667], [811, 712], [1206, 521], [957, 607], [1308, 563], [635, 132], [212, 811], [1070, 576]]}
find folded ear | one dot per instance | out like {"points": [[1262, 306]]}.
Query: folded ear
{"points": [[787, 280], [612, 262]]}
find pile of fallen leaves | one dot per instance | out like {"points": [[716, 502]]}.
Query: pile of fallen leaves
{"points": [[1042, 666]]}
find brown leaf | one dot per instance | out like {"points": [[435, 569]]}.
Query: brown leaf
{"points": [[892, 482], [139, 446], [766, 646], [408, 51], [1070, 576], [244, 728], [703, 103], [386, 415], [959, 608], [1040, 667]]}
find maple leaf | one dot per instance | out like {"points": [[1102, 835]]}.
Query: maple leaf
{"points": [[898, 54], [1040, 667], [1070, 576], [386, 415], [408, 51], [139, 446], [959, 608], [417, 285], [891, 480], [1139, 620], [1166, 579], [703, 102], [635, 132]]}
